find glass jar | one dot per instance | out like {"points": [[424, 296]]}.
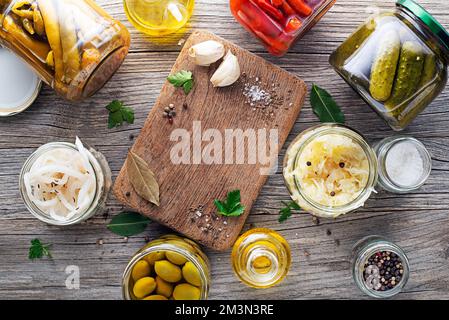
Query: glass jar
{"points": [[158, 17], [170, 252], [278, 24], [74, 46], [103, 178], [343, 199], [397, 62], [261, 258], [363, 251]]}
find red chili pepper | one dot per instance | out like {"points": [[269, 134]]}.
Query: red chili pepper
{"points": [[293, 24], [270, 10], [277, 3], [300, 7], [288, 10]]}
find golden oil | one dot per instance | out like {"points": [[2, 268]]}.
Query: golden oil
{"points": [[261, 258], [158, 17]]}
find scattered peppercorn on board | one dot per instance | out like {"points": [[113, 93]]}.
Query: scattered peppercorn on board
{"points": [[265, 97]]}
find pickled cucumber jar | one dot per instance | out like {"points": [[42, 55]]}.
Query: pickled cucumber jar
{"points": [[169, 268], [73, 45], [397, 62]]}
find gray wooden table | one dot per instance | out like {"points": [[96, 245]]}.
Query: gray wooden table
{"points": [[418, 222]]}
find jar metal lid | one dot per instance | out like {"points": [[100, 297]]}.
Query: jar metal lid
{"points": [[427, 19], [19, 85]]}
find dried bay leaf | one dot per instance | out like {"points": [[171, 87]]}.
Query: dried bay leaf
{"points": [[142, 178]]}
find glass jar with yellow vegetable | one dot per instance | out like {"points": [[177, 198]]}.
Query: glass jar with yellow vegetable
{"points": [[397, 61], [330, 170], [74, 45], [169, 268]]}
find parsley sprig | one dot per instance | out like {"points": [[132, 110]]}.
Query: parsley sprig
{"points": [[232, 207], [118, 114], [39, 250], [286, 211], [182, 79]]}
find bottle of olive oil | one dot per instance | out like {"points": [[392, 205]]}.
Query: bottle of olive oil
{"points": [[261, 258], [158, 17]]}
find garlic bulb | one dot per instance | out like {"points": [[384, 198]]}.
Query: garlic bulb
{"points": [[228, 72], [207, 52]]}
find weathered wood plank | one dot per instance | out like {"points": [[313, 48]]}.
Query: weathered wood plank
{"points": [[418, 222]]}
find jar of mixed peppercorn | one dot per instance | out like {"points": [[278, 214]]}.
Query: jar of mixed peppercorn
{"points": [[397, 61], [278, 23], [380, 268]]}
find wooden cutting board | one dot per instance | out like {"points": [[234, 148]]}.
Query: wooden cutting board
{"points": [[187, 191]]}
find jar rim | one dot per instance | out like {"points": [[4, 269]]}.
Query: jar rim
{"points": [[429, 20], [39, 214], [139, 255], [325, 128]]}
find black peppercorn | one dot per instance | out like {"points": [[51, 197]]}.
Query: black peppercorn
{"points": [[309, 163], [342, 164]]}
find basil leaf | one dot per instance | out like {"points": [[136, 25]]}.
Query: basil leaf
{"points": [[128, 224]]}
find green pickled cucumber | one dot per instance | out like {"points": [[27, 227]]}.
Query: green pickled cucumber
{"points": [[353, 43], [429, 70], [384, 66], [411, 63]]}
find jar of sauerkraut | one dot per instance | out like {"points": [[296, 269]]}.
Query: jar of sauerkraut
{"points": [[330, 170], [74, 45], [64, 184]]}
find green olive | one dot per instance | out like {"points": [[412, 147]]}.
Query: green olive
{"points": [[144, 287], [185, 291], [175, 258], [155, 297], [191, 274], [163, 288], [152, 257], [168, 271], [141, 269]]}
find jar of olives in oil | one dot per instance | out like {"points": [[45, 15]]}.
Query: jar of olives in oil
{"points": [[169, 268], [397, 61]]}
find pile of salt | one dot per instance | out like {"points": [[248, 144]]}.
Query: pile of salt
{"points": [[404, 164]]}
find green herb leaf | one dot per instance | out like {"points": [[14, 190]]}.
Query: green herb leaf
{"points": [[232, 207], [119, 114], [324, 106], [286, 211], [38, 250], [128, 224], [182, 79]]}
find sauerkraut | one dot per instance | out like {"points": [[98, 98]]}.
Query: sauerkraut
{"points": [[62, 182], [332, 170]]}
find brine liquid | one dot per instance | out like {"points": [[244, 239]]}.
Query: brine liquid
{"points": [[158, 17], [18, 82]]}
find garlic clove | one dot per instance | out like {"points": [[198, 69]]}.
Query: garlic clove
{"points": [[228, 72], [207, 52]]}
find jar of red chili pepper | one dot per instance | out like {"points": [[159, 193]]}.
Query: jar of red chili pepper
{"points": [[279, 23]]}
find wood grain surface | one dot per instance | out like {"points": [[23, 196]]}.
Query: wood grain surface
{"points": [[418, 222], [188, 188]]}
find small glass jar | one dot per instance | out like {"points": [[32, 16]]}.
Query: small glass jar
{"points": [[158, 17], [103, 177], [396, 61], [159, 250], [293, 183], [364, 250], [261, 258], [278, 26], [74, 46], [386, 180]]}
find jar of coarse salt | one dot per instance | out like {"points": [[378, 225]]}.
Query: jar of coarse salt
{"points": [[404, 164]]}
